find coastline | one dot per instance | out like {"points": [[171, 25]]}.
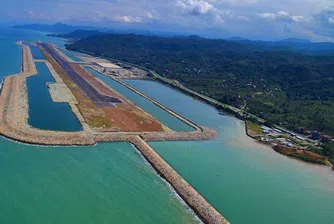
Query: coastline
{"points": [[238, 113], [15, 107], [13, 125], [298, 154]]}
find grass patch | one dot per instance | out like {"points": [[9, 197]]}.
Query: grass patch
{"points": [[94, 116], [253, 128]]}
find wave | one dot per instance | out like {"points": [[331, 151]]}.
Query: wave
{"points": [[172, 191]]}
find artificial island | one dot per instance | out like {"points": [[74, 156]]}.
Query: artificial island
{"points": [[104, 114]]}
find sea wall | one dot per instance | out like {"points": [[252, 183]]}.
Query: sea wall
{"points": [[168, 110], [14, 116], [203, 209], [13, 124]]}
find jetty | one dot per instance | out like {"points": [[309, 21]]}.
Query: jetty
{"points": [[14, 114]]}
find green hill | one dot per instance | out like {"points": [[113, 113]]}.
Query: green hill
{"points": [[285, 86]]}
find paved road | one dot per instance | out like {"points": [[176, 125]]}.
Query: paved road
{"points": [[98, 98]]}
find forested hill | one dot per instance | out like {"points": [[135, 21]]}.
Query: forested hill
{"points": [[54, 28], [78, 34], [284, 86]]}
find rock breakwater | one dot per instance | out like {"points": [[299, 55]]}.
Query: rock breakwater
{"points": [[203, 209], [13, 124]]}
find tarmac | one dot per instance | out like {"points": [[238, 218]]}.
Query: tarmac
{"points": [[14, 115]]}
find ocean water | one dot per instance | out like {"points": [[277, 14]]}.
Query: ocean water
{"points": [[11, 53], [43, 112], [106, 183], [246, 181], [109, 183]]}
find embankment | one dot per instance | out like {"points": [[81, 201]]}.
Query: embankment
{"points": [[168, 110], [14, 116], [203, 209], [13, 124], [304, 155]]}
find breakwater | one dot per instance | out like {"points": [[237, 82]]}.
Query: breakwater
{"points": [[203, 209], [13, 124], [170, 111], [14, 116]]}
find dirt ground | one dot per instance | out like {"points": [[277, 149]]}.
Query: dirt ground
{"points": [[123, 116], [131, 120]]}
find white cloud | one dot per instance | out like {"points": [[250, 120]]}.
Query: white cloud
{"points": [[331, 20], [266, 15], [269, 18], [298, 18], [127, 19], [195, 7], [281, 15]]}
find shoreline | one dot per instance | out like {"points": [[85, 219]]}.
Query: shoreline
{"points": [[14, 107], [297, 154], [14, 98], [217, 105]]}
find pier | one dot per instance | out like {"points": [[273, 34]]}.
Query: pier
{"points": [[14, 115]]}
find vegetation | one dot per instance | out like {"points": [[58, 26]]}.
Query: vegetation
{"points": [[328, 150], [304, 155], [292, 89], [78, 34], [93, 115], [54, 28], [253, 128], [277, 83]]}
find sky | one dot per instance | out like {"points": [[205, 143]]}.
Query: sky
{"points": [[253, 19]]}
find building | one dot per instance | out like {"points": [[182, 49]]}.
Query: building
{"points": [[266, 129], [315, 135]]}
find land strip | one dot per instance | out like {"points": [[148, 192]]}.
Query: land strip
{"points": [[14, 99], [13, 124], [306, 149], [103, 108], [180, 117], [202, 208]]}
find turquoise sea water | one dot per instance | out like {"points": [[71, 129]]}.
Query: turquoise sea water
{"points": [[246, 181], [164, 117], [43, 112], [11, 53], [106, 183], [109, 183]]}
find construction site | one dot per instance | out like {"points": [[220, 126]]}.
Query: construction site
{"points": [[105, 116]]}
